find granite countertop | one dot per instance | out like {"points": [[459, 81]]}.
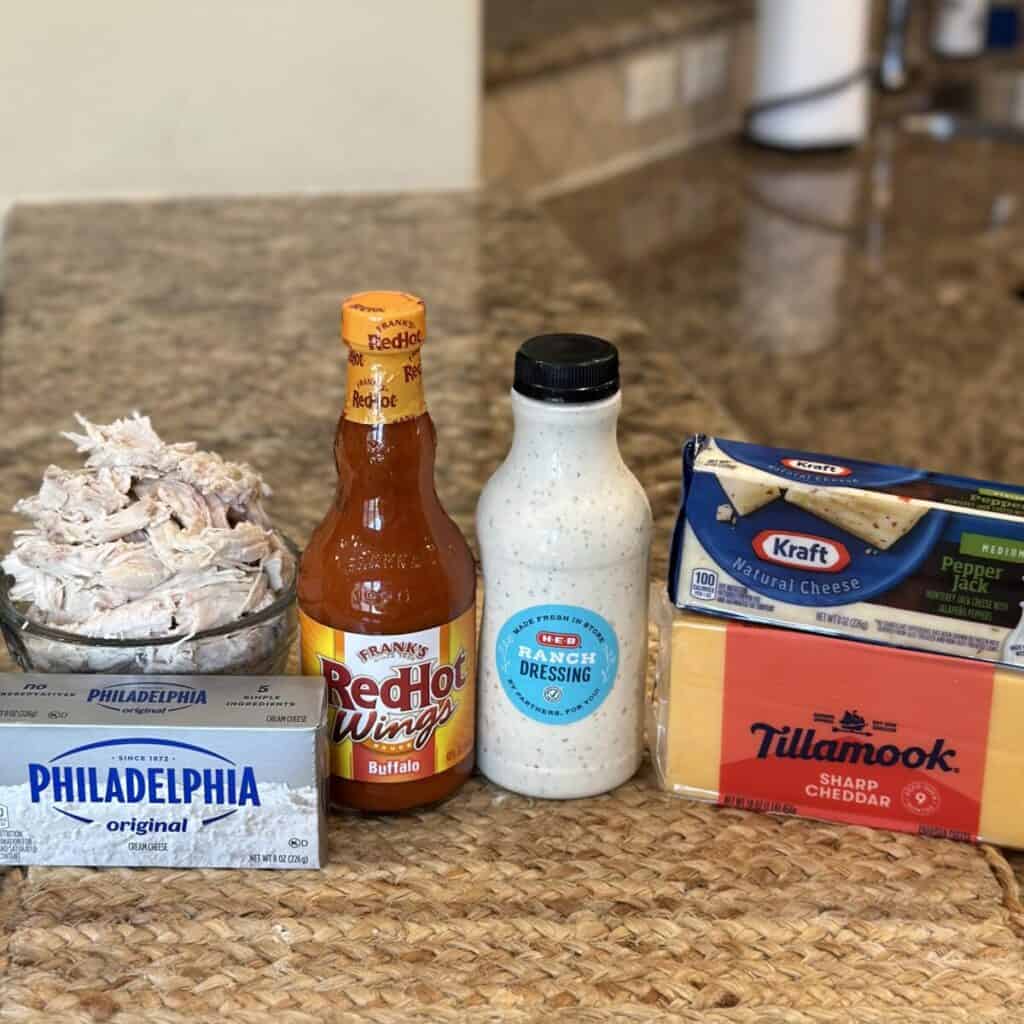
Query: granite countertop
{"points": [[895, 335], [866, 304], [220, 320]]}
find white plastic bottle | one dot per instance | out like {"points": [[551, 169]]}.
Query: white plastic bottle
{"points": [[564, 530]]}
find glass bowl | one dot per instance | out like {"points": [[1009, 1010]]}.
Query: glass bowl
{"points": [[256, 644]]}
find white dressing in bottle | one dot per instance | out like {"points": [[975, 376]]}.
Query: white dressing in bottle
{"points": [[564, 530]]}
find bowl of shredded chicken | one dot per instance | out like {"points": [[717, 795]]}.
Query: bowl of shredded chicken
{"points": [[152, 557]]}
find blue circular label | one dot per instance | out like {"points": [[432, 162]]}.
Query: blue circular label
{"points": [[557, 662]]}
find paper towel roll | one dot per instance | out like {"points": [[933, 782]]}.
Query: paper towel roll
{"points": [[804, 47]]}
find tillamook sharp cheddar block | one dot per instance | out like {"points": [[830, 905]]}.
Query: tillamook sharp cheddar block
{"points": [[773, 720], [849, 548]]}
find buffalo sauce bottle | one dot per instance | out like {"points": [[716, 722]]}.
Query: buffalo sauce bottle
{"points": [[387, 583]]}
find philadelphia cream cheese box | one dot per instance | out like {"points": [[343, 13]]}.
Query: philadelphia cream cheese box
{"points": [[854, 549], [162, 771]]}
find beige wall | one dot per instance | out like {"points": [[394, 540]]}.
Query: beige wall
{"points": [[142, 97]]}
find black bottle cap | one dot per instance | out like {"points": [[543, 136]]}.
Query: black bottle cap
{"points": [[567, 368]]}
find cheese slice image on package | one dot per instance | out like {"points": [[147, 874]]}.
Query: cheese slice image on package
{"points": [[876, 521], [748, 496], [850, 548]]}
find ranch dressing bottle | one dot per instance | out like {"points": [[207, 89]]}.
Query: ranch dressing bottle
{"points": [[564, 530]]}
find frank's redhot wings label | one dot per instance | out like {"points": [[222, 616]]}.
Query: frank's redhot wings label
{"points": [[400, 707]]}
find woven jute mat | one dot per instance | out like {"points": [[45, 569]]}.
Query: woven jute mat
{"points": [[624, 907], [635, 906]]}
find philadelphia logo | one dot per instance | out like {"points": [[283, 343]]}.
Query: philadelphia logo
{"points": [[801, 551], [821, 468], [803, 745], [84, 777], [148, 698]]}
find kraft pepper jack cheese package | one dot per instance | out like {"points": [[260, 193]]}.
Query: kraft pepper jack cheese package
{"points": [[775, 720], [849, 548]]}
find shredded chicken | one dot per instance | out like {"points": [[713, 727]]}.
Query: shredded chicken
{"points": [[148, 540], [133, 445]]}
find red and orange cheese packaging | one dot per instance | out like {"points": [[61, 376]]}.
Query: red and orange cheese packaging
{"points": [[833, 649], [776, 720]]}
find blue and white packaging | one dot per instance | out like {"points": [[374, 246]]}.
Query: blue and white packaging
{"points": [[850, 548], [162, 771]]}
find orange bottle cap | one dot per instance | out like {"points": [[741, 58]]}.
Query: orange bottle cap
{"points": [[383, 322]]}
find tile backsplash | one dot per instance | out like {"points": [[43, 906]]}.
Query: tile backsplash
{"points": [[590, 87]]}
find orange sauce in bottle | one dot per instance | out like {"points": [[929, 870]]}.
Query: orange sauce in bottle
{"points": [[387, 582]]}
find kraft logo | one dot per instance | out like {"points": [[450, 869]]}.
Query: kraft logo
{"points": [[801, 551], [546, 639], [821, 468]]}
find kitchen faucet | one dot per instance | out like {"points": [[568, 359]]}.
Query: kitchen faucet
{"points": [[892, 71]]}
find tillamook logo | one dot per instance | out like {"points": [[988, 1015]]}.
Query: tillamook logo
{"points": [[803, 745], [801, 551], [821, 468]]}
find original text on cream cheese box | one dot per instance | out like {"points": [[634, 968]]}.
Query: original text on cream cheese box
{"points": [[162, 771], [849, 548]]}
